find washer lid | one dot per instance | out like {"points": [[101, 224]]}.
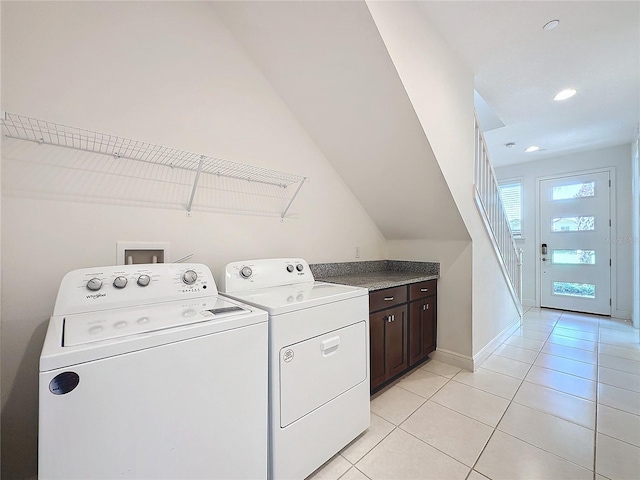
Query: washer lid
{"points": [[84, 328], [288, 298]]}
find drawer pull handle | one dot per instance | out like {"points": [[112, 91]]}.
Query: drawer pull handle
{"points": [[424, 289], [388, 299]]}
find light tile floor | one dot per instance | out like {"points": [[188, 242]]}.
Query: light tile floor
{"points": [[559, 399]]}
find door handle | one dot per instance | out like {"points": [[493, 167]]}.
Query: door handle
{"points": [[329, 345], [388, 299]]}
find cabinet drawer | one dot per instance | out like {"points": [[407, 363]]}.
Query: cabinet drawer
{"points": [[422, 289], [387, 298]]}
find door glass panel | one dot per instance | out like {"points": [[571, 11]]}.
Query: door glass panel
{"points": [[572, 224], [574, 257], [584, 290], [575, 190]]}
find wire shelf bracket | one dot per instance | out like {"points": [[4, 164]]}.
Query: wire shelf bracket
{"points": [[44, 132]]}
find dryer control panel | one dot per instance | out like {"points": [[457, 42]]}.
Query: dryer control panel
{"points": [[103, 288], [270, 272]]}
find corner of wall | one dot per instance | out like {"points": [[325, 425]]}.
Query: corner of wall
{"points": [[454, 292], [635, 198]]}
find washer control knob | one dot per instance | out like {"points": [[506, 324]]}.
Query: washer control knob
{"points": [[189, 277], [120, 282], [246, 272], [144, 280], [290, 268], [299, 267], [94, 284]]}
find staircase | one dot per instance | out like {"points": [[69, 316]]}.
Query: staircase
{"points": [[489, 203]]}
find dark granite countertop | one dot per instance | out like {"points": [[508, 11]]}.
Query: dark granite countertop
{"points": [[376, 275]]}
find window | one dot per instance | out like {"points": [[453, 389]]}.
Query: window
{"points": [[511, 193], [569, 289], [573, 257], [573, 224], [575, 190]]}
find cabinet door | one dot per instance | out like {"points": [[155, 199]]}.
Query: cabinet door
{"points": [[377, 372], [429, 325], [396, 340], [416, 332]]}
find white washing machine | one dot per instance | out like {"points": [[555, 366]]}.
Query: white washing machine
{"points": [[318, 360], [146, 373]]}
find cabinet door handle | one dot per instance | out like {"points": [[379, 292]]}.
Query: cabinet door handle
{"points": [[427, 305], [424, 289], [388, 299], [388, 318], [393, 318], [424, 307]]}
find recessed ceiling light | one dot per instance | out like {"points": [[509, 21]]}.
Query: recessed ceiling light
{"points": [[564, 94], [532, 148], [551, 25]]}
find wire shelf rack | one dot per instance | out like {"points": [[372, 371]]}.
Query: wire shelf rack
{"points": [[45, 132]]}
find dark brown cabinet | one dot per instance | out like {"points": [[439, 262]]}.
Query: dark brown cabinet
{"points": [[388, 337], [422, 328], [402, 329]]}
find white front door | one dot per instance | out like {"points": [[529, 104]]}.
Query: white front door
{"points": [[575, 258]]}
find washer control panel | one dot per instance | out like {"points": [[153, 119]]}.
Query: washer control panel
{"points": [[102, 288], [271, 272], [90, 327]]}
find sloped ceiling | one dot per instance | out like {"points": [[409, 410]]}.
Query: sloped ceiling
{"points": [[328, 63]]}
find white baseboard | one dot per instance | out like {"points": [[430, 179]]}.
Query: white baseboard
{"points": [[453, 358], [527, 302], [623, 314], [489, 348]]}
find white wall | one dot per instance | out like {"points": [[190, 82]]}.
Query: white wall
{"points": [[635, 198], [331, 67], [167, 73], [621, 237], [454, 288], [441, 91]]}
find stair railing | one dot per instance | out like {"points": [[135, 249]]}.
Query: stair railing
{"points": [[489, 203]]}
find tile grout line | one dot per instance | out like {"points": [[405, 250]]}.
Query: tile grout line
{"points": [[459, 413], [546, 413], [524, 441], [473, 468], [396, 427], [556, 390]]}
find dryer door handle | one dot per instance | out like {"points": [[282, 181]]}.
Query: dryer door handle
{"points": [[330, 345]]}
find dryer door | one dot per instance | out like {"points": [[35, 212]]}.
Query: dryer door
{"points": [[317, 370]]}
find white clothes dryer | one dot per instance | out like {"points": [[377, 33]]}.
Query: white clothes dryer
{"points": [[318, 360], [146, 373]]}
